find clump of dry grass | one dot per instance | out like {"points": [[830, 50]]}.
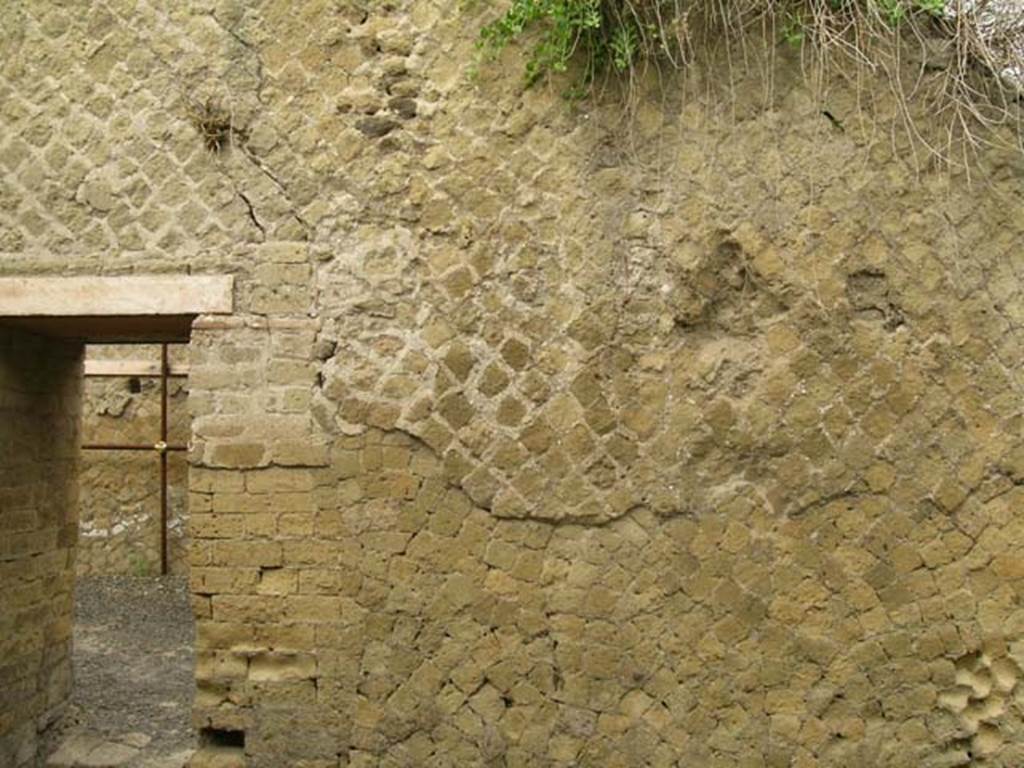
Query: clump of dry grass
{"points": [[213, 122]]}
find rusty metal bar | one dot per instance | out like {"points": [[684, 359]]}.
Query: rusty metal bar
{"points": [[133, 369], [128, 447], [116, 375], [165, 370], [120, 375]]}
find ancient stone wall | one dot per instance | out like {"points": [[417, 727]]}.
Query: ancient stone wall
{"points": [[541, 436], [39, 397], [119, 497]]}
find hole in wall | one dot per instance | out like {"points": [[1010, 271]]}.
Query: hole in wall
{"points": [[221, 737], [982, 697]]}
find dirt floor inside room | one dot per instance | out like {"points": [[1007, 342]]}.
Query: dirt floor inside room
{"points": [[133, 663]]}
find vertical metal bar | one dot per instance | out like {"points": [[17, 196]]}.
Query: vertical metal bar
{"points": [[164, 371]]}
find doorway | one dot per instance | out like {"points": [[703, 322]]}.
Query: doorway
{"points": [[45, 324], [133, 637]]}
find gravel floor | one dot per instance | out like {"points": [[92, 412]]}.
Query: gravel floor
{"points": [[133, 674]]}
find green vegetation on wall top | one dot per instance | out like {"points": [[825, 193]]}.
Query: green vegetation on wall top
{"points": [[964, 59], [618, 35]]}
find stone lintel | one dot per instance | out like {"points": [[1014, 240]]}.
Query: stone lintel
{"points": [[136, 296]]}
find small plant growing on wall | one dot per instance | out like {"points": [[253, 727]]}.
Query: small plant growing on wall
{"points": [[140, 565], [213, 122], [601, 34]]}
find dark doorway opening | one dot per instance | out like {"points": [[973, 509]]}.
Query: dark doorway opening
{"points": [[133, 638]]}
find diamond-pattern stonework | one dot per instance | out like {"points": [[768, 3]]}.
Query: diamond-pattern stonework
{"points": [[541, 437]]}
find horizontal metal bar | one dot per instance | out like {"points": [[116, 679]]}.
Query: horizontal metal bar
{"points": [[120, 447], [137, 369]]}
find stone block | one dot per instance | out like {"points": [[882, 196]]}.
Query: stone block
{"points": [[236, 455], [278, 480], [277, 667]]}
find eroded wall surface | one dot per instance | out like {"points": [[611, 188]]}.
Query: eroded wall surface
{"points": [[541, 437], [39, 400]]}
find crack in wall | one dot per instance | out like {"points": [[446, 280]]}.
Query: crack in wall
{"points": [[252, 215]]}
